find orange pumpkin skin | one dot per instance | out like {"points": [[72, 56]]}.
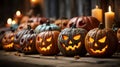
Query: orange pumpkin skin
{"points": [[46, 42], [8, 41], [118, 36], [85, 22], [101, 42]]}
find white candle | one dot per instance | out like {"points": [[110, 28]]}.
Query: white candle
{"points": [[97, 13], [109, 18]]}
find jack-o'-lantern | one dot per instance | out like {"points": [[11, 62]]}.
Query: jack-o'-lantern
{"points": [[71, 41], [62, 23], [101, 42], [46, 26], [27, 43], [85, 22], [46, 42], [8, 41], [18, 36]]}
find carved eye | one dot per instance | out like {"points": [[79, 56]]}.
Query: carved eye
{"points": [[49, 39], [102, 40], [91, 40], [76, 37], [65, 37], [31, 40], [12, 38], [39, 39]]}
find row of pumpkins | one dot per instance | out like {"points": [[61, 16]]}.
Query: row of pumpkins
{"points": [[80, 36]]}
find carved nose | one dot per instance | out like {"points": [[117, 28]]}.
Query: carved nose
{"points": [[43, 43], [96, 45], [70, 42]]}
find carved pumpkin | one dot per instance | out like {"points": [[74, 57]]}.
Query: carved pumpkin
{"points": [[45, 27], [85, 22], [27, 43], [71, 41], [100, 42], [8, 41], [46, 42], [62, 23], [18, 36]]}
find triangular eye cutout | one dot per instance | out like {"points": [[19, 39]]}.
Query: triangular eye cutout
{"points": [[39, 39], [102, 40], [65, 37], [91, 39], [49, 39], [12, 38], [77, 37]]}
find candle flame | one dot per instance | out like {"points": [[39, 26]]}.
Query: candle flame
{"points": [[18, 13], [109, 9], [9, 21], [96, 6], [13, 22]]}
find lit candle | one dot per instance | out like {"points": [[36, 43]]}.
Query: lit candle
{"points": [[18, 14], [109, 18], [9, 22], [97, 13]]}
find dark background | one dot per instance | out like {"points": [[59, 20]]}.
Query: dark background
{"points": [[57, 8]]}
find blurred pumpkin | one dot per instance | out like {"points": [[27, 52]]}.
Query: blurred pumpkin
{"points": [[8, 41], [46, 26], [27, 43], [71, 41], [35, 21], [62, 23], [46, 42], [118, 36], [85, 22], [19, 35], [101, 42], [22, 26]]}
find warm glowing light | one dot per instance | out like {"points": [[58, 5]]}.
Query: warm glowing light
{"points": [[102, 40], [9, 21], [109, 9], [46, 48], [9, 45], [91, 40], [18, 13], [70, 42], [76, 37], [49, 39], [13, 22], [96, 6], [65, 37], [72, 47], [100, 51]]}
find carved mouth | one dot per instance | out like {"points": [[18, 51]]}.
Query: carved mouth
{"points": [[45, 48], [72, 47], [8, 45], [100, 51], [27, 48]]}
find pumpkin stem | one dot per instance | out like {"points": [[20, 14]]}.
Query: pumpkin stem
{"points": [[28, 27], [101, 26], [31, 31], [12, 29], [48, 22], [74, 25]]}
